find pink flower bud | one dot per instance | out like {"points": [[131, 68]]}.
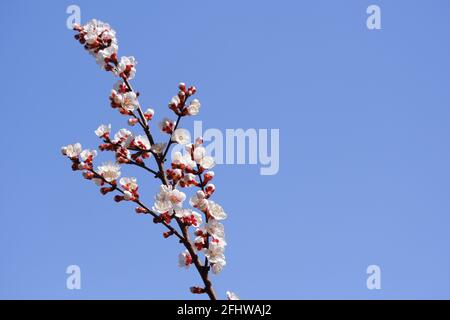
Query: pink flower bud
{"points": [[197, 290], [132, 121], [88, 175], [141, 210], [149, 114], [209, 189], [192, 90], [208, 176]]}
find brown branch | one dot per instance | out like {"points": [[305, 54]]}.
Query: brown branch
{"points": [[155, 215], [185, 239], [170, 139]]}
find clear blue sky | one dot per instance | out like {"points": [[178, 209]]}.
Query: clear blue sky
{"points": [[364, 153]]}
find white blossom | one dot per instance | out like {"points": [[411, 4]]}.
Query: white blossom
{"points": [[106, 53], [199, 154], [217, 267], [127, 67], [130, 186], [181, 136], [179, 159], [184, 259], [109, 171], [216, 211], [149, 113], [102, 130], [194, 107], [215, 251], [215, 228], [189, 179], [167, 125], [168, 199], [72, 150], [142, 142], [189, 217], [199, 201], [175, 101], [130, 101], [201, 158], [88, 154], [95, 30], [158, 148], [207, 162], [123, 136], [232, 296]]}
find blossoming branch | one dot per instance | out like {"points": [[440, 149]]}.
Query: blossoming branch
{"points": [[197, 228]]}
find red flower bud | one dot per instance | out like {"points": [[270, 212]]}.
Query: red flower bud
{"points": [[197, 290], [141, 210], [167, 234], [118, 198]]}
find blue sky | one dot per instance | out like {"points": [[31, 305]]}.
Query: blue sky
{"points": [[364, 155]]}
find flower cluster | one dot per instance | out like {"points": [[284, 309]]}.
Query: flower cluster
{"points": [[99, 39], [105, 176], [192, 168]]}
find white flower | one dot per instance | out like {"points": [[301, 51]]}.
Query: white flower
{"points": [[129, 101], [168, 199], [123, 136], [106, 54], [202, 159], [95, 29], [129, 183], [126, 67], [102, 130], [232, 296], [109, 171], [216, 211], [88, 154], [148, 114], [184, 259], [199, 242], [72, 150], [189, 179], [215, 251], [199, 201], [130, 186], [194, 107], [158, 148], [175, 101], [178, 159], [215, 228], [199, 154], [217, 267], [182, 160], [167, 125], [189, 217], [181, 136], [109, 35], [116, 98], [207, 162], [142, 142], [120, 87]]}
